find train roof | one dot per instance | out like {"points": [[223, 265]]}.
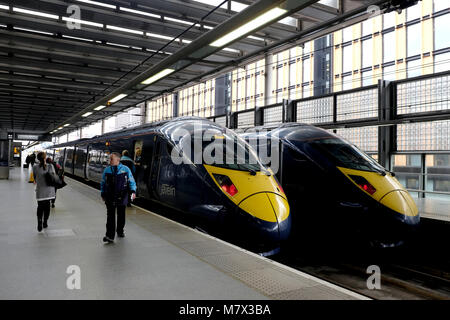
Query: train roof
{"points": [[159, 126], [289, 131]]}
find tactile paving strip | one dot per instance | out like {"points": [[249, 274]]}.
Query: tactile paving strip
{"points": [[205, 248], [311, 293], [234, 262], [270, 282]]}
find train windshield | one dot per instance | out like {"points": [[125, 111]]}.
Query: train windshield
{"points": [[229, 152], [346, 155], [217, 147]]}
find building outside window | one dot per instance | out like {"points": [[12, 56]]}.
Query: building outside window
{"points": [[414, 68], [389, 20], [366, 78], [442, 62], [439, 5], [414, 12], [442, 32], [389, 73], [347, 59], [413, 40], [388, 47], [367, 53]]}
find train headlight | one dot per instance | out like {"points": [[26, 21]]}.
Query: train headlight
{"points": [[226, 184], [363, 184]]}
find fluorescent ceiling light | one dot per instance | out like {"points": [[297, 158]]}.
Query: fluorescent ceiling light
{"points": [[35, 13], [98, 3], [99, 108], [67, 124], [230, 50], [60, 128], [4, 7], [89, 23], [77, 38], [180, 21], [256, 38], [155, 35], [117, 98], [141, 12], [87, 114], [158, 76], [124, 29], [117, 44], [35, 31], [249, 26]]}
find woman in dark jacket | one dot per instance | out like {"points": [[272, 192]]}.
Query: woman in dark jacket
{"points": [[44, 192]]}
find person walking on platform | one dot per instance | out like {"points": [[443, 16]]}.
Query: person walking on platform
{"points": [[127, 161], [117, 182], [44, 192]]}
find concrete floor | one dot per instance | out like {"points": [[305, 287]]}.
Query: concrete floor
{"points": [[158, 259]]}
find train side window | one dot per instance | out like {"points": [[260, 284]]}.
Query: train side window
{"points": [[105, 158], [138, 144], [98, 160]]}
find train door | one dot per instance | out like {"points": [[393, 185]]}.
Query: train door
{"points": [[154, 172], [167, 178], [143, 150]]}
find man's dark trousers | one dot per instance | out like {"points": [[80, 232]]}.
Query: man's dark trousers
{"points": [[111, 219]]}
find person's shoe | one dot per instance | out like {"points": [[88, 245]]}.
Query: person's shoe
{"points": [[45, 224], [39, 226], [129, 205], [107, 240], [121, 235]]}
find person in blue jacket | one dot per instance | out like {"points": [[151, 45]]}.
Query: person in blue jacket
{"points": [[117, 183]]}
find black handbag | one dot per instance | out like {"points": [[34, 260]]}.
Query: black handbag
{"points": [[50, 179]]}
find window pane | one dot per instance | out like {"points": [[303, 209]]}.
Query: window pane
{"points": [[440, 5], [367, 53], [388, 48], [347, 58], [347, 34], [306, 92], [442, 62], [389, 20], [438, 177], [414, 68], [413, 40], [306, 70], [413, 12], [367, 78], [347, 82], [367, 27], [389, 73], [441, 32]]}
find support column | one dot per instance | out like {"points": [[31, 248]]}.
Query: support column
{"points": [[386, 134], [268, 79]]}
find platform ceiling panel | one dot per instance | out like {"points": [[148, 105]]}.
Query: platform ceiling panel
{"points": [[50, 72]]}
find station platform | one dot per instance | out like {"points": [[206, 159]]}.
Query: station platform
{"points": [[433, 209], [158, 258]]}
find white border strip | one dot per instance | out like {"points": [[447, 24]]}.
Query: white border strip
{"points": [[305, 275]]}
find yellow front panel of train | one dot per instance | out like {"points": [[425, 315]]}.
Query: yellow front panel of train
{"points": [[245, 182]]}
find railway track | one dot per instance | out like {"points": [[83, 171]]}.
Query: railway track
{"points": [[399, 277]]}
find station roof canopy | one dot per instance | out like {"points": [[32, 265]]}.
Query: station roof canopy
{"points": [[60, 59]]}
